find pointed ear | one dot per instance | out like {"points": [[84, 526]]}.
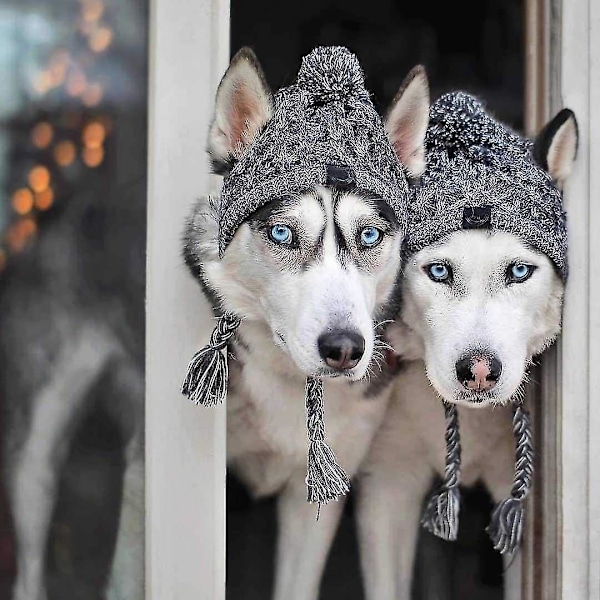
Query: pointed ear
{"points": [[243, 105], [555, 147], [407, 120]]}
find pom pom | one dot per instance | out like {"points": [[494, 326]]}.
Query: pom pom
{"points": [[207, 374], [440, 516], [506, 527], [331, 74], [459, 122]]}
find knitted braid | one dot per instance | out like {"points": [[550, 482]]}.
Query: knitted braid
{"points": [[506, 526], [325, 479], [206, 378], [440, 516]]}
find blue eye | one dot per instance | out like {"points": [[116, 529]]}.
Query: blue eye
{"points": [[519, 272], [439, 272], [280, 234], [370, 236]]}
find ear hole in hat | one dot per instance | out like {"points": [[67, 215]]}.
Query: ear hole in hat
{"points": [[407, 121], [243, 106], [555, 147]]}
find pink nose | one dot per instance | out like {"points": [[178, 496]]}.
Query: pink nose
{"points": [[481, 372], [478, 372]]}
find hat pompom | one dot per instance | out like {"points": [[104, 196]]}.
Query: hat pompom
{"points": [[330, 74], [460, 125]]}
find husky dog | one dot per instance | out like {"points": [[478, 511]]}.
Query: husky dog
{"points": [[71, 323], [312, 278], [478, 304]]}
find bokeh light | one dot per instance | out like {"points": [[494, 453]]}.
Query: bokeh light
{"points": [[92, 10], [22, 201], [92, 95], [76, 83], [20, 232], [44, 200], [93, 157], [93, 135], [100, 39], [64, 153], [42, 135], [39, 178]]}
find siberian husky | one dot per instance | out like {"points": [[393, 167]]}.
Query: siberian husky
{"points": [[439, 324], [286, 309]]}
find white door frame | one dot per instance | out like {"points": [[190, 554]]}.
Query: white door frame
{"points": [[185, 444]]}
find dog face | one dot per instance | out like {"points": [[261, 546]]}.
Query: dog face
{"points": [[483, 303], [317, 271]]}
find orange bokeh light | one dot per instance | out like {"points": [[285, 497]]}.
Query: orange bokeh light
{"points": [[19, 233], [93, 157], [22, 201], [100, 39], [42, 135], [64, 153], [39, 178], [93, 135], [44, 200], [3, 259]]}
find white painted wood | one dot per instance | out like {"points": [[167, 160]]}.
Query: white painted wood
{"points": [[185, 444], [580, 351]]}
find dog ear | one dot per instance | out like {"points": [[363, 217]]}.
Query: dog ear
{"points": [[407, 120], [555, 147], [243, 105]]}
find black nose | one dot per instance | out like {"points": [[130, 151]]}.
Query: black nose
{"points": [[478, 371], [341, 349]]}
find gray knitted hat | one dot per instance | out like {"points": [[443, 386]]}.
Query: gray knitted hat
{"points": [[324, 130], [480, 174]]}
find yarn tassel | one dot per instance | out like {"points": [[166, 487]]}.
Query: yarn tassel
{"points": [[506, 527], [206, 378], [440, 516], [325, 479]]}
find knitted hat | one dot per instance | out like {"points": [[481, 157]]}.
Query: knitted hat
{"points": [[324, 130], [481, 175]]}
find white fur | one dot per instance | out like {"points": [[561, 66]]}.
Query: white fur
{"points": [[438, 323]]}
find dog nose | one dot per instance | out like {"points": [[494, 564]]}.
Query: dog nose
{"points": [[341, 349], [478, 372]]}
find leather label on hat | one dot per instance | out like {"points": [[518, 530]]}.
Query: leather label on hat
{"points": [[477, 217], [340, 176]]}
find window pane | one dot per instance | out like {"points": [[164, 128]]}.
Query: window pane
{"points": [[72, 259]]}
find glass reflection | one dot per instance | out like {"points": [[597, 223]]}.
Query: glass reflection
{"points": [[72, 277]]}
